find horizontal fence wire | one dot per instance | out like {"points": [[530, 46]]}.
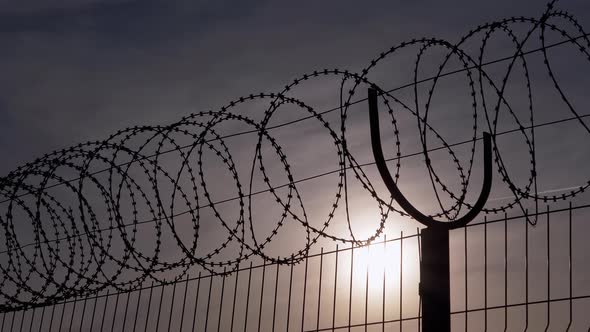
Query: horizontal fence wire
{"points": [[500, 283], [314, 177], [361, 100]]}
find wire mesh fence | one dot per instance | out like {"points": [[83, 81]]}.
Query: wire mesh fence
{"points": [[505, 275]]}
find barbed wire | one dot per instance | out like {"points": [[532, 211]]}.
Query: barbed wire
{"points": [[553, 198], [133, 180]]}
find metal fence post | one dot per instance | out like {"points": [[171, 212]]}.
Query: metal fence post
{"points": [[434, 275], [435, 283]]}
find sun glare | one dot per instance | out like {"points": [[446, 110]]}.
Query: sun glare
{"points": [[395, 259], [375, 260]]}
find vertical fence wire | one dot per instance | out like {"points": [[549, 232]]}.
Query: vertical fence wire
{"points": [[317, 326], [570, 267], [248, 298], [41, 320], [526, 273], [401, 280], [171, 307], [383, 290], [197, 302], [274, 306], [183, 303], [117, 305], [137, 309], [289, 300], [350, 286], [282, 294], [304, 295], [209, 303], [233, 308], [220, 301], [335, 287], [466, 285], [485, 273]]}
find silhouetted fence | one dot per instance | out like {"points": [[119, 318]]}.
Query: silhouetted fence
{"points": [[505, 274]]}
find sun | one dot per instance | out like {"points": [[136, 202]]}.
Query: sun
{"points": [[392, 257], [392, 260], [374, 261]]}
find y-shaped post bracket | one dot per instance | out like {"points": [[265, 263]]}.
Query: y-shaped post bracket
{"points": [[434, 267]]}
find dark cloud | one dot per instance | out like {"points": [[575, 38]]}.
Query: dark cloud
{"points": [[75, 71], [37, 8]]}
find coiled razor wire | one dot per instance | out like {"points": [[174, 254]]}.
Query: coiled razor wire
{"points": [[82, 247]]}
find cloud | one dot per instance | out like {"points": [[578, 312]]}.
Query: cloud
{"points": [[36, 6]]}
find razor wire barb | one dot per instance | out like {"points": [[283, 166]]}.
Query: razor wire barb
{"points": [[64, 264]]}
